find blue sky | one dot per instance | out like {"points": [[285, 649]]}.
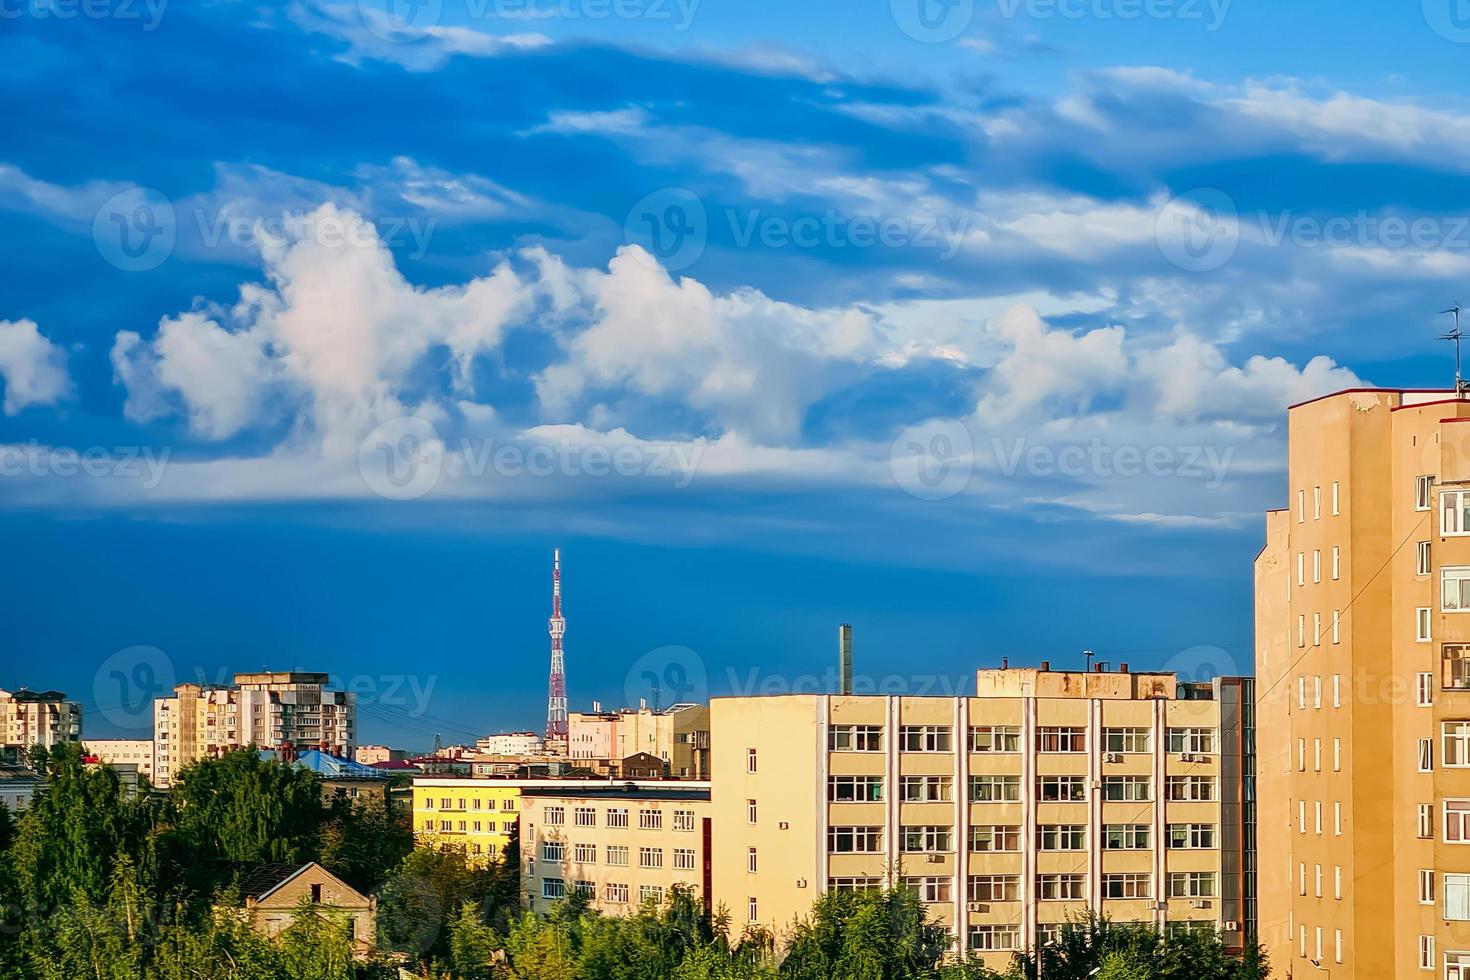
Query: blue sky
{"points": [[971, 323]]}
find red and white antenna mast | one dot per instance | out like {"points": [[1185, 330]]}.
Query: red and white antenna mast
{"points": [[556, 700]]}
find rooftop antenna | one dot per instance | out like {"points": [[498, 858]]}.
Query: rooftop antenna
{"points": [[1089, 655], [1455, 335]]}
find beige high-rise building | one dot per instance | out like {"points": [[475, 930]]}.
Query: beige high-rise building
{"points": [[1363, 677], [678, 735], [44, 718], [1048, 793], [261, 709]]}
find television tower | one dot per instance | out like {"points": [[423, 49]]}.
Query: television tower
{"points": [[556, 699]]}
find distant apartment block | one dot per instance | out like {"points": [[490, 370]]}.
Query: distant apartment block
{"points": [[511, 743], [136, 752], [30, 718], [477, 815], [620, 844], [1048, 794], [371, 755], [266, 710], [1363, 672], [679, 735]]}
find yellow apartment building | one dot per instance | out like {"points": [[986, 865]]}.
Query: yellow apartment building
{"points": [[1048, 793], [1363, 674], [478, 815], [621, 844]]}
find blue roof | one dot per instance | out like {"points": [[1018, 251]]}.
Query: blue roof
{"points": [[329, 766]]}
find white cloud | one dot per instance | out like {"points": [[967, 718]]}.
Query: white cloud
{"points": [[33, 368], [371, 35]]}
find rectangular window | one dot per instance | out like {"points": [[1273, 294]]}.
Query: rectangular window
{"points": [[926, 839], [1423, 624], [855, 789], [927, 789], [553, 851], [995, 738], [1336, 563], [1426, 755], [926, 738], [582, 887], [1191, 836], [1127, 789], [995, 938], [650, 893], [1061, 888], [1127, 740], [752, 909], [614, 892], [1336, 499], [1126, 837], [1454, 512], [1191, 884], [1316, 503], [1301, 506], [1337, 690], [1336, 626], [1426, 952], [1457, 897], [930, 889], [683, 859], [995, 888], [584, 853], [584, 816], [1426, 821], [1191, 789], [684, 820], [1421, 560], [995, 789], [1337, 818], [617, 855], [1061, 789], [854, 840], [1455, 667], [650, 820], [1301, 568], [553, 888], [617, 817], [751, 811], [1127, 885], [752, 861], [1426, 887], [989, 838], [1316, 565], [855, 738], [555, 816], [650, 857], [1424, 690], [750, 760], [1061, 739], [1201, 741], [1061, 837], [1422, 485], [1457, 821], [1454, 588]]}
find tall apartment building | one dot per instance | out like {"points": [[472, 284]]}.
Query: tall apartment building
{"points": [[678, 735], [1363, 674], [266, 710], [1047, 794], [621, 844], [29, 718]]}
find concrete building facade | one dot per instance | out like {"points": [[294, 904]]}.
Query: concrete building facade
{"points": [[1363, 669], [124, 752], [44, 718], [1047, 794], [679, 735], [621, 843]]}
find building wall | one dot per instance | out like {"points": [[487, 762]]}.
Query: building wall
{"points": [[477, 814], [568, 841], [799, 851], [329, 895], [27, 720], [124, 751], [1352, 750]]}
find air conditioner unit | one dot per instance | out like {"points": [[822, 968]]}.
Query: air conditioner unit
{"points": [[1113, 757], [1185, 757], [1200, 903], [934, 858], [978, 907]]}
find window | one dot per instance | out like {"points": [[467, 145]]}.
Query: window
{"points": [[1128, 885], [995, 938], [650, 820], [855, 789], [926, 839], [1317, 754], [995, 838], [1457, 897], [995, 888], [1061, 739], [684, 820], [1127, 789], [1455, 667], [1061, 888], [1061, 789], [855, 738], [584, 853], [1454, 588], [1316, 503], [750, 811], [1134, 740], [1426, 755], [588, 888], [1061, 837], [1457, 821], [1424, 690], [1422, 486], [1426, 887], [553, 850], [1421, 560], [931, 889], [752, 909], [1454, 512], [1336, 510], [926, 738], [617, 817], [1336, 563], [750, 760], [1191, 836], [1426, 952], [1456, 965], [683, 859], [650, 857], [1126, 837], [1423, 624], [553, 888], [584, 816], [650, 893], [1316, 565], [927, 789], [1301, 630], [995, 738], [854, 840], [555, 816], [1336, 626], [614, 892], [752, 862], [1337, 882], [854, 883], [1201, 741], [1301, 506], [1301, 568], [1191, 884], [995, 789], [1426, 821], [1337, 818], [1456, 744], [617, 855], [1337, 690], [1184, 789]]}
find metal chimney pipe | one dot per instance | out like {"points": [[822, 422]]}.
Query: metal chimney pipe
{"points": [[844, 658]]}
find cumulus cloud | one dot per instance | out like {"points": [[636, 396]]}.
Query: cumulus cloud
{"points": [[33, 368]]}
